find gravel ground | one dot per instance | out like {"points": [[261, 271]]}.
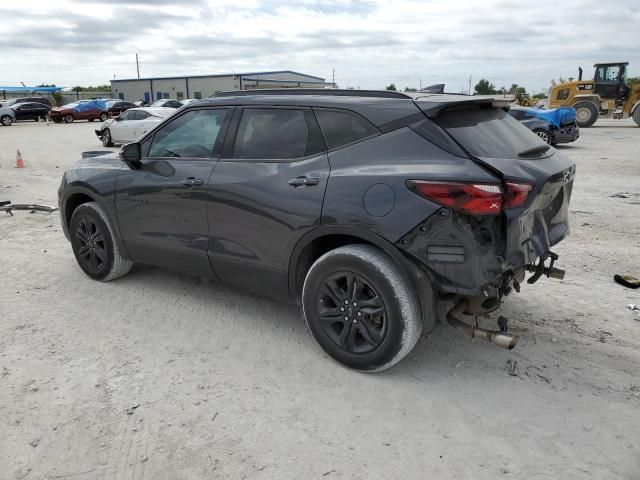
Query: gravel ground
{"points": [[162, 376]]}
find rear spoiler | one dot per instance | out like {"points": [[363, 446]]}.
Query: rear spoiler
{"points": [[433, 104]]}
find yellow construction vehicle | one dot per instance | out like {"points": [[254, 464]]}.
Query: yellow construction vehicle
{"points": [[607, 95]]}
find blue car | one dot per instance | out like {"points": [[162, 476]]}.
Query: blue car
{"points": [[553, 126]]}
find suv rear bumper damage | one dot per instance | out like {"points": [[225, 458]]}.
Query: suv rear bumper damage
{"points": [[468, 256]]}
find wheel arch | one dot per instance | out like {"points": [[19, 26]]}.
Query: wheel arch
{"points": [[323, 239], [80, 195]]}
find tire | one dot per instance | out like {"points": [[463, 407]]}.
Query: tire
{"points": [[92, 238], [6, 120], [636, 115], [103, 117], [544, 135], [586, 113], [106, 138], [56, 120], [68, 118], [371, 337]]}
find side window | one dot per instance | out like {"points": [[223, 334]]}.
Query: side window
{"points": [[126, 116], [190, 135], [141, 115], [270, 133], [342, 128]]}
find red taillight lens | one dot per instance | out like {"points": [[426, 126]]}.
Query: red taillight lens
{"points": [[516, 194], [476, 199]]}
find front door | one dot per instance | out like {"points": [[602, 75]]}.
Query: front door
{"points": [[161, 206], [265, 193], [122, 126]]}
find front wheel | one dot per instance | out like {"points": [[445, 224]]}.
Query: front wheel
{"points": [[6, 120], [360, 308], [106, 138], [68, 118], [544, 135], [94, 244], [586, 113]]}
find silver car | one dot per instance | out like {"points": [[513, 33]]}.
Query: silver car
{"points": [[7, 116], [131, 125]]}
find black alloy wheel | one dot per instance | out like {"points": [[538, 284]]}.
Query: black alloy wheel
{"points": [[92, 249], [352, 313]]}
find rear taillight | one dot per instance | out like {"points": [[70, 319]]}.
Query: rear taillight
{"points": [[472, 198], [516, 194]]}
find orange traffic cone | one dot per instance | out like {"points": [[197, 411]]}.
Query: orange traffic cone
{"points": [[19, 160]]}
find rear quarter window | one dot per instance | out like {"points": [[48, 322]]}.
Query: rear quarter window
{"points": [[488, 132], [342, 128]]}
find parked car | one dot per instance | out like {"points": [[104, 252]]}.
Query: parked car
{"points": [[7, 116], [187, 101], [116, 107], [167, 102], [13, 101], [30, 111], [553, 126], [131, 125], [81, 110], [372, 210]]}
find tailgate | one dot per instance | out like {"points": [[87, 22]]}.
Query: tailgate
{"points": [[510, 150]]}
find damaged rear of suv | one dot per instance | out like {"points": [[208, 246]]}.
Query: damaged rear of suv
{"points": [[379, 213]]}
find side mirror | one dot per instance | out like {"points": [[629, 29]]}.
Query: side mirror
{"points": [[131, 155]]}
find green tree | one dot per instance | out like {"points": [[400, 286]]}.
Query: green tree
{"points": [[485, 87], [410, 89], [633, 80], [540, 96], [392, 87]]}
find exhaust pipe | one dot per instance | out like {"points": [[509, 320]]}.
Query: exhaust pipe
{"points": [[501, 339]]}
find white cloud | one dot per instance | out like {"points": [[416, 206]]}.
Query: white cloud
{"points": [[369, 43]]}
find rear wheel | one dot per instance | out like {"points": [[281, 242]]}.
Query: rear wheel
{"points": [[68, 118], [586, 113], [544, 135], [94, 244], [6, 120], [360, 308], [103, 117], [636, 115]]}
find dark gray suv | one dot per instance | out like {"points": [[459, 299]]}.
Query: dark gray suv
{"points": [[378, 213]]}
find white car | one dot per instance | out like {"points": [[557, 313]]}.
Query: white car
{"points": [[129, 126]]}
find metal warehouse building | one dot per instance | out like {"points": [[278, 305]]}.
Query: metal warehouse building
{"points": [[202, 86]]}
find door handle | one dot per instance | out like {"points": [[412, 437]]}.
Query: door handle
{"points": [[192, 182], [304, 182]]}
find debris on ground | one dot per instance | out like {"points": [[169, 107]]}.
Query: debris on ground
{"points": [[7, 206], [627, 281], [635, 310], [130, 410], [512, 368], [620, 195]]}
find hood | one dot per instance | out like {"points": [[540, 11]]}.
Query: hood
{"points": [[99, 159]]}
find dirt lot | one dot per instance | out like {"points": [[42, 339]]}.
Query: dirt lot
{"points": [[161, 376]]}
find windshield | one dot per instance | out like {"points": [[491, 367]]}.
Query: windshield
{"points": [[158, 103], [490, 133]]}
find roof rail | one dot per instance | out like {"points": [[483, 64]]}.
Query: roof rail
{"points": [[330, 92]]}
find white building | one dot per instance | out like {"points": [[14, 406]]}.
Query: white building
{"points": [[202, 86]]}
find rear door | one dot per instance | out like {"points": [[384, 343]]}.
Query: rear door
{"points": [[162, 206], [265, 193], [506, 147]]}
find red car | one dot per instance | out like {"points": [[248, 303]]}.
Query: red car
{"points": [[82, 110]]}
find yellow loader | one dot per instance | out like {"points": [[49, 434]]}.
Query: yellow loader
{"points": [[606, 96]]}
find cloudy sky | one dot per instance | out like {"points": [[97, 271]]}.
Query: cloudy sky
{"points": [[369, 43]]}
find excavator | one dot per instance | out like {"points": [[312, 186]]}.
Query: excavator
{"points": [[608, 95]]}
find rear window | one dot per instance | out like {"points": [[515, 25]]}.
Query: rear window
{"points": [[276, 134], [489, 132]]}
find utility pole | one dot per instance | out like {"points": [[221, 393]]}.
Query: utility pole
{"points": [[333, 77], [137, 65], [469, 84], [420, 84]]}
